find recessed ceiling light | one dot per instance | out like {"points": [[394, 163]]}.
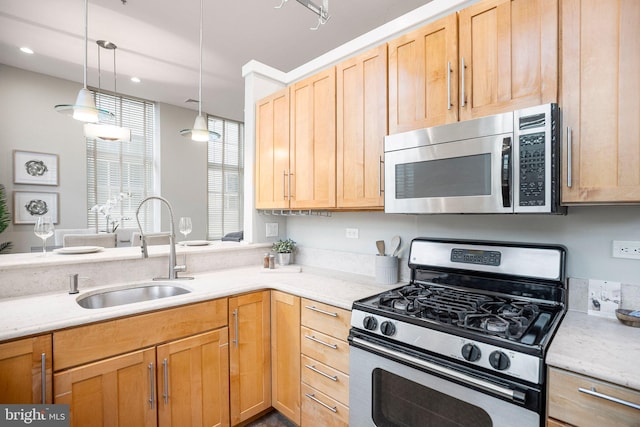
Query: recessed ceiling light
{"points": [[135, 79], [25, 49]]}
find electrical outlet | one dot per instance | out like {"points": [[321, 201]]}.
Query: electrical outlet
{"points": [[626, 249], [352, 233], [272, 229]]}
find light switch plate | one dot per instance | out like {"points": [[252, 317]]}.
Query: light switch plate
{"points": [[272, 229]]}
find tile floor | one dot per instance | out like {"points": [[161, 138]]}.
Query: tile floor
{"points": [[272, 419]]}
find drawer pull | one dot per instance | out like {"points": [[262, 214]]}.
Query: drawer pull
{"points": [[312, 338], [315, 399], [324, 374], [152, 386], [594, 393], [165, 394], [328, 313]]}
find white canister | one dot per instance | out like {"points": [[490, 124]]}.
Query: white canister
{"points": [[386, 269]]}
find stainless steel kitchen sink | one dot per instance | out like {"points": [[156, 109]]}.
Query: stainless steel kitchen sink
{"points": [[138, 293]]}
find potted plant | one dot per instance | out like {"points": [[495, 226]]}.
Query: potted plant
{"points": [[4, 219], [284, 248]]}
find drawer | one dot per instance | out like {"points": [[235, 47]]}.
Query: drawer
{"points": [[325, 318], [77, 346], [326, 379], [318, 409], [567, 403], [325, 349]]}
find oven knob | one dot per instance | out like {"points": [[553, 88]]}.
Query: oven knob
{"points": [[499, 360], [471, 352], [370, 323], [387, 328]]}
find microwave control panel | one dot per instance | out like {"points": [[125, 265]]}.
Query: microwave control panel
{"points": [[532, 169]]}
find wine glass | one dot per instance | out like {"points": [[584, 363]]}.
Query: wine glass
{"points": [[185, 226], [43, 229]]}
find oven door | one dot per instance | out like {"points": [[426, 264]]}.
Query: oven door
{"points": [[468, 176], [391, 388]]}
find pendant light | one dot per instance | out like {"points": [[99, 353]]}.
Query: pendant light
{"points": [[102, 131], [200, 131], [84, 108]]}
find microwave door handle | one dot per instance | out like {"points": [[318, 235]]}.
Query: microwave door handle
{"points": [[506, 172]]}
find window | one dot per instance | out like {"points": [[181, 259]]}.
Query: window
{"points": [[225, 171], [116, 168]]}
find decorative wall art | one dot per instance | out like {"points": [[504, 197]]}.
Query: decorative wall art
{"points": [[28, 206], [35, 168]]}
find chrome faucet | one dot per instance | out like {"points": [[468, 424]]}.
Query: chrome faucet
{"points": [[173, 268]]}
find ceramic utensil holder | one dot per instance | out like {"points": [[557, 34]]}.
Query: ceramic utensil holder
{"points": [[386, 269]]}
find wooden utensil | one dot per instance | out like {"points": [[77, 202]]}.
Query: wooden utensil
{"points": [[395, 245], [380, 246]]}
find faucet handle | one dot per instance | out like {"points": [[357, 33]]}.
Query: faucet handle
{"points": [[143, 247]]}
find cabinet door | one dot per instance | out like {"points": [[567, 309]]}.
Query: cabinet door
{"points": [[509, 49], [423, 77], [313, 141], [272, 151], [285, 354], [361, 128], [600, 56], [25, 371], [193, 381], [249, 355], [114, 392]]}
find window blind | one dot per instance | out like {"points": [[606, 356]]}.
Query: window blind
{"points": [[117, 168], [225, 178]]}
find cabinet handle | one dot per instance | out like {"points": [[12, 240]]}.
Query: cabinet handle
{"points": [[312, 338], [165, 395], [235, 322], [462, 67], [380, 173], [43, 373], [290, 192], [594, 393], [449, 85], [315, 399], [324, 374], [328, 313], [284, 184], [151, 386], [569, 151]]}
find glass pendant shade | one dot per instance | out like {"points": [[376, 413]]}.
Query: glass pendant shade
{"points": [[107, 132], [199, 132], [84, 108]]}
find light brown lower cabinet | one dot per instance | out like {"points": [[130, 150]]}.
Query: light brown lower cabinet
{"points": [[579, 400], [318, 409], [285, 354], [249, 355], [181, 383], [25, 371]]}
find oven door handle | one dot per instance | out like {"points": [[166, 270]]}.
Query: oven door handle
{"points": [[506, 172], [514, 395]]}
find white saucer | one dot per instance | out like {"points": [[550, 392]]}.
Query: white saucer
{"points": [[195, 243], [78, 250]]}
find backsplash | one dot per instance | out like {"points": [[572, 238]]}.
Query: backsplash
{"points": [[579, 295]]}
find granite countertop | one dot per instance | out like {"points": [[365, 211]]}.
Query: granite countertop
{"points": [[29, 315], [597, 347]]}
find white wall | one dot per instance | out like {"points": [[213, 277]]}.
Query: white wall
{"points": [[29, 122]]}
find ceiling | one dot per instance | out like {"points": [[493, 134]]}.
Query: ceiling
{"points": [[158, 42]]}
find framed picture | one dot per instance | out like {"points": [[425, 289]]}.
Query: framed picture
{"points": [[27, 206], [35, 168]]}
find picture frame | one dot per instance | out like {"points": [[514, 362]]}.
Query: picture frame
{"points": [[29, 205], [30, 167]]}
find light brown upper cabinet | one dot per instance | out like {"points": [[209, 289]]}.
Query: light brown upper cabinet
{"points": [[600, 59], [361, 113], [508, 56], [272, 151], [423, 76], [491, 57], [313, 142]]}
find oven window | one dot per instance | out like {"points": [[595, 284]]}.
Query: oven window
{"points": [[399, 402], [453, 177]]}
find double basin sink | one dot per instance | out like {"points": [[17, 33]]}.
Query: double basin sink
{"points": [[138, 293]]}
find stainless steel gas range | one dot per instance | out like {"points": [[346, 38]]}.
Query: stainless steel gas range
{"points": [[463, 344]]}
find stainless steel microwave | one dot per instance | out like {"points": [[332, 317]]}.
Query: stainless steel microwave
{"points": [[506, 163]]}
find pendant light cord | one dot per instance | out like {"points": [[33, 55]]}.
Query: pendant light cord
{"points": [[200, 80], [86, 38]]}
